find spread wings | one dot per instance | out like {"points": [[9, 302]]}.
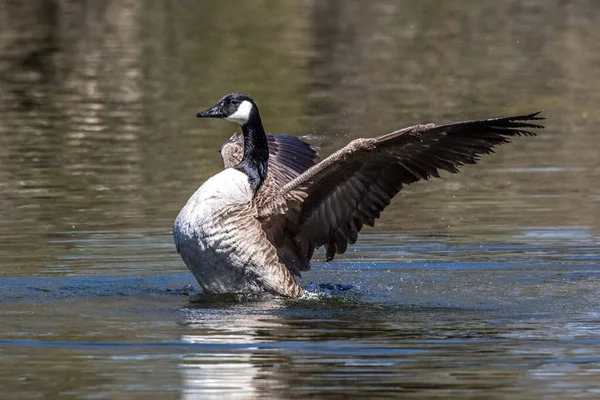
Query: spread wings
{"points": [[289, 156], [351, 187]]}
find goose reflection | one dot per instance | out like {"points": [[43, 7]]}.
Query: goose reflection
{"points": [[229, 338]]}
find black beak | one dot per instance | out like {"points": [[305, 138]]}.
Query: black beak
{"points": [[213, 112]]}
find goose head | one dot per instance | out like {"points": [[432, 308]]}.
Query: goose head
{"points": [[236, 107]]}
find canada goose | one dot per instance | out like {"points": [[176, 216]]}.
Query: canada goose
{"points": [[255, 224]]}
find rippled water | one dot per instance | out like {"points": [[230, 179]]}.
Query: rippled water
{"points": [[482, 284]]}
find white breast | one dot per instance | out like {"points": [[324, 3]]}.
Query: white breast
{"points": [[212, 232], [219, 195], [222, 242], [229, 186]]}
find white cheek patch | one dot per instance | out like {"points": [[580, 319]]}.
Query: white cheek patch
{"points": [[242, 114]]}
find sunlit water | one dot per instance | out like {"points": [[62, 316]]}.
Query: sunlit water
{"points": [[482, 284]]}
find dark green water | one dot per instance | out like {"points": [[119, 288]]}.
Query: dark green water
{"points": [[484, 284]]}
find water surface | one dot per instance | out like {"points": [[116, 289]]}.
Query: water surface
{"points": [[481, 284]]}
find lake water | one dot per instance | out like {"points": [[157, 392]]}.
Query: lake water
{"points": [[484, 284]]}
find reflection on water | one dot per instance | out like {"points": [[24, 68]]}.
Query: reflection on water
{"points": [[480, 284], [225, 365]]}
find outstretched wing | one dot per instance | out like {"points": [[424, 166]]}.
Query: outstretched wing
{"points": [[351, 187], [289, 156]]}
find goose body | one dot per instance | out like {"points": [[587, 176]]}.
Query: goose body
{"points": [[222, 242], [256, 224]]}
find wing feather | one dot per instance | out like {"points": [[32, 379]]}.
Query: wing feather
{"points": [[351, 187]]}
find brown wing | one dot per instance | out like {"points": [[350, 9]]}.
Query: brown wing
{"points": [[351, 187], [289, 155]]}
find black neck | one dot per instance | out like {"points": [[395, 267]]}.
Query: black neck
{"points": [[256, 152]]}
